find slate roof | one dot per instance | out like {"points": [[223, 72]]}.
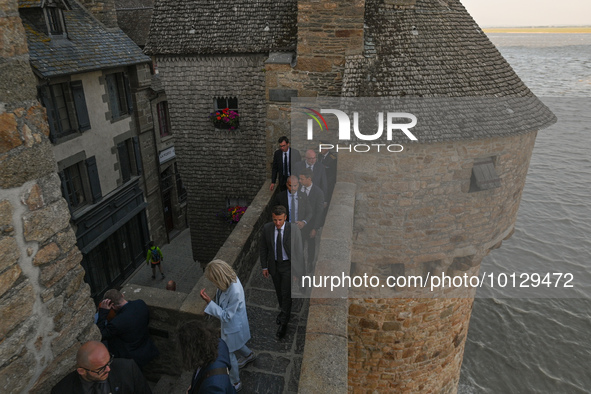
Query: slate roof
{"points": [[185, 27], [133, 17], [90, 46], [436, 49]]}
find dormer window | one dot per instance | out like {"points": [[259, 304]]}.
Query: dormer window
{"points": [[55, 18]]}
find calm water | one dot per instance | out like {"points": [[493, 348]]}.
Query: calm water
{"points": [[543, 345]]}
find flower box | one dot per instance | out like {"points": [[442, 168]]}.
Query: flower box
{"points": [[225, 119]]}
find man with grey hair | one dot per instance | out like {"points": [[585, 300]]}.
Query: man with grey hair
{"points": [[97, 372]]}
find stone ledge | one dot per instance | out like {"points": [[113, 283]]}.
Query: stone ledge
{"points": [[325, 359]]}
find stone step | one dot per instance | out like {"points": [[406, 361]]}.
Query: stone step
{"points": [[173, 384]]}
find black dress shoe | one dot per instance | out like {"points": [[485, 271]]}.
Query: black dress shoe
{"points": [[281, 331]]}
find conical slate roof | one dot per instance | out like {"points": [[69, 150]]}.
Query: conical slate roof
{"points": [[434, 49]]}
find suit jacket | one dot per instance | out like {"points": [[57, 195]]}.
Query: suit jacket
{"points": [[304, 208], [127, 333], [292, 243], [277, 167], [316, 199], [230, 308], [125, 378], [216, 384], [318, 175]]}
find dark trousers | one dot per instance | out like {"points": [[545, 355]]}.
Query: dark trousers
{"points": [[282, 283]]}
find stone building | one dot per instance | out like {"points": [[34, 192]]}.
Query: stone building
{"points": [[208, 65], [45, 306], [133, 18], [95, 84], [440, 205]]}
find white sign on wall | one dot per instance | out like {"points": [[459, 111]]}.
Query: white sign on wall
{"points": [[166, 155]]}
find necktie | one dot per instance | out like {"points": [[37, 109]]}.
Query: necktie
{"points": [[292, 209], [278, 248], [285, 166], [97, 388]]}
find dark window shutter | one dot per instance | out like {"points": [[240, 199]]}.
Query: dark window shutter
{"points": [[112, 92], [80, 103], [50, 107], [128, 94], [93, 178], [124, 162], [138, 157], [64, 188]]}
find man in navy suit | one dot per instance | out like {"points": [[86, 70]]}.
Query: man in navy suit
{"points": [[316, 199], [98, 372], [280, 248], [296, 203], [126, 335], [318, 171], [283, 159]]}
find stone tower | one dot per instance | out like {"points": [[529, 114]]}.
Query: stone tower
{"points": [[428, 209], [45, 306]]}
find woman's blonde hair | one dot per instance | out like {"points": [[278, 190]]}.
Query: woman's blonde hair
{"points": [[220, 274]]}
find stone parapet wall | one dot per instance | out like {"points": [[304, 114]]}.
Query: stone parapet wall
{"points": [[325, 361], [46, 309], [216, 164]]}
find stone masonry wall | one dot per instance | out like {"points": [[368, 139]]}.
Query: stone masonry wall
{"points": [[141, 80], [237, 157], [327, 32], [422, 219], [45, 306], [103, 10]]}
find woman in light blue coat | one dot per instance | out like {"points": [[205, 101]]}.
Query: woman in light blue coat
{"points": [[230, 307]]}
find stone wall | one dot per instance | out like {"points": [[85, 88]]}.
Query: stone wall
{"points": [[419, 219], [103, 10], [141, 80], [325, 361], [46, 309], [216, 164], [327, 32]]}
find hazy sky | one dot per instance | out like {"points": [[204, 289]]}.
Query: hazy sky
{"points": [[491, 13]]}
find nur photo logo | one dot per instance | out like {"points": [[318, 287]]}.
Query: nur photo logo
{"points": [[392, 122]]}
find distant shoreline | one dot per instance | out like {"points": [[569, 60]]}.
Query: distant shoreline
{"points": [[538, 30]]}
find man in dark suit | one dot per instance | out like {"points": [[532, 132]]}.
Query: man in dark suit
{"points": [[126, 335], [98, 372], [316, 199], [296, 203], [318, 170], [283, 159], [280, 248]]}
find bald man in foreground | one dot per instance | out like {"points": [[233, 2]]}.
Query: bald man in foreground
{"points": [[97, 372]]}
